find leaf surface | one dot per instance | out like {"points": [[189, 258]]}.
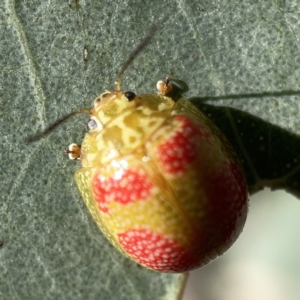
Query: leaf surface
{"points": [[51, 247]]}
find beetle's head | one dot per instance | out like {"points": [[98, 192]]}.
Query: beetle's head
{"points": [[110, 104]]}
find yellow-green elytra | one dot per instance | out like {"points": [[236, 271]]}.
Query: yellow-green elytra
{"points": [[160, 180]]}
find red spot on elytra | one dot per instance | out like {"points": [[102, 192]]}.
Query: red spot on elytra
{"points": [[127, 187], [227, 192], [180, 149], [155, 251]]}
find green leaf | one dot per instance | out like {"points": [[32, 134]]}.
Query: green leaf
{"points": [[51, 247]]}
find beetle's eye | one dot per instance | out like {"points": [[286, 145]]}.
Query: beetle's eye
{"points": [[91, 124], [129, 95]]}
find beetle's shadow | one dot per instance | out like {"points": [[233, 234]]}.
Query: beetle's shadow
{"points": [[180, 87]]}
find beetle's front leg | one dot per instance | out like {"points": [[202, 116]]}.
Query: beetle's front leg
{"points": [[163, 86], [73, 151]]}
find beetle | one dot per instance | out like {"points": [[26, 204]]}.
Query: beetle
{"points": [[159, 178]]}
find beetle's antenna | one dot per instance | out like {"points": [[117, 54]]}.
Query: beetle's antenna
{"points": [[135, 53], [38, 136]]}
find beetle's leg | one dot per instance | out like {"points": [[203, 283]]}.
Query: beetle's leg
{"points": [[74, 151], [164, 87]]}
